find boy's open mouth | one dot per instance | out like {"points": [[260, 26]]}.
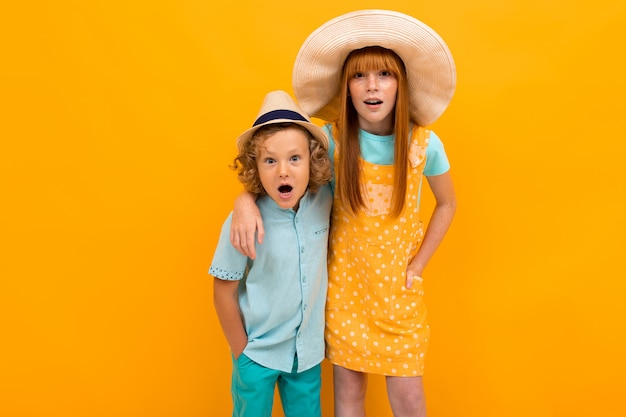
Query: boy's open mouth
{"points": [[284, 189]]}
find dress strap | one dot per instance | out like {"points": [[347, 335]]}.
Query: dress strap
{"points": [[419, 143]]}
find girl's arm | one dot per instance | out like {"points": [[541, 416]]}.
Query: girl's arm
{"points": [[445, 207], [227, 308], [245, 223]]}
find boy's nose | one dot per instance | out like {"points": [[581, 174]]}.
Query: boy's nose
{"points": [[283, 170]]}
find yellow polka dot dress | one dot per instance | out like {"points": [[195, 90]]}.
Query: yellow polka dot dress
{"points": [[374, 324]]}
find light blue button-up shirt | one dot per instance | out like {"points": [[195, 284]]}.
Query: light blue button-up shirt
{"points": [[282, 292]]}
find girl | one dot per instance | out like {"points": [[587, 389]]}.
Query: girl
{"points": [[379, 77]]}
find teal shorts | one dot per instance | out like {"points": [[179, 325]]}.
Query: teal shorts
{"points": [[253, 388]]}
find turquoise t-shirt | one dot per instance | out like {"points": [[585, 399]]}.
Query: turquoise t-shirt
{"points": [[379, 150]]}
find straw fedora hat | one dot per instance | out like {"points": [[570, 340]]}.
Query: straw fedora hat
{"points": [[431, 72], [279, 107]]}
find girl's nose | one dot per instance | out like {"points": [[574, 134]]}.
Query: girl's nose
{"points": [[372, 82]]}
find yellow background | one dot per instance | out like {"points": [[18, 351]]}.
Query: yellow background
{"points": [[117, 126]]}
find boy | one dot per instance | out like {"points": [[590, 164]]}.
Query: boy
{"points": [[271, 308]]}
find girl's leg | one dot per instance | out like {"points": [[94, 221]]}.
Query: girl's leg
{"points": [[350, 387], [252, 388], [300, 392], [406, 396]]}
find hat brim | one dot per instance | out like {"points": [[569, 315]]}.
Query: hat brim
{"points": [[431, 72], [315, 130]]}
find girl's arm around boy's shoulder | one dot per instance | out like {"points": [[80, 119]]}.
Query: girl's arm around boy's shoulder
{"points": [[247, 225]]}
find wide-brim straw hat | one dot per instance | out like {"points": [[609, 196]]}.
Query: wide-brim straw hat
{"points": [[279, 107], [431, 73]]}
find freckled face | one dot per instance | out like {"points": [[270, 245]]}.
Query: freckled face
{"points": [[373, 95], [283, 163]]}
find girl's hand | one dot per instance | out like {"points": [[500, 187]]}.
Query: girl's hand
{"points": [[412, 274], [246, 222]]}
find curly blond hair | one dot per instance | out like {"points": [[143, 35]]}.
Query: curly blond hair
{"points": [[246, 165]]}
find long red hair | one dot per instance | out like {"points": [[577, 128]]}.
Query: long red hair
{"points": [[348, 169]]}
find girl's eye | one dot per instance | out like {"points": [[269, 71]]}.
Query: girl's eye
{"points": [[385, 73], [295, 158], [269, 161], [358, 75]]}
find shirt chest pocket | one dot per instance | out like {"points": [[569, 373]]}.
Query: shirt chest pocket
{"points": [[321, 230]]}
